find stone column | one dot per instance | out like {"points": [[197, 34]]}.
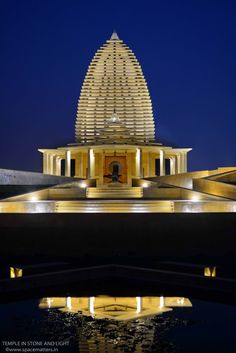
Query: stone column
{"points": [[90, 163], [50, 169], [129, 164], [78, 165], [141, 164], [172, 165], [162, 163], [146, 168], [58, 165], [68, 163], [100, 167], [82, 165], [178, 163], [150, 164], [48, 164], [183, 163], [54, 164], [45, 163], [138, 162], [184, 159]]}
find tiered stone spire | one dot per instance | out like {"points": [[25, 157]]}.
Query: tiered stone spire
{"points": [[114, 80], [114, 36]]}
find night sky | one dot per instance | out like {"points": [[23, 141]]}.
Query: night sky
{"points": [[187, 50]]}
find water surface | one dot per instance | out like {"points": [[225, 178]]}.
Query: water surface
{"points": [[199, 327]]}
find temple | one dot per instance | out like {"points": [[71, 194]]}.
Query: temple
{"points": [[116, 158], [114, 125]]}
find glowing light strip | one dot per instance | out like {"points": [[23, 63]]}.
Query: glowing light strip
{"points": [[138, 304], [91, 305]]}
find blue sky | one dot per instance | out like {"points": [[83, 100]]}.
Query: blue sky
{"points": [[186, 48]]}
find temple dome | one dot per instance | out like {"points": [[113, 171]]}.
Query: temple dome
{"points": [[114, 81]]}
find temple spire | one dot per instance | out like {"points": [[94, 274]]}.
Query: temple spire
{"points": [[114, 36], [113, 64]]}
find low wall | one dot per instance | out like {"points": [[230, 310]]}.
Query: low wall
{"points": [[152, 191], [187, 194], [229, 177], [185, 180], [215, 188], [27, 207], [66, 194], [162, 193], [118, 235], [71, 190], [175, 193], [31, 196], [17, 177], [116, 206]]}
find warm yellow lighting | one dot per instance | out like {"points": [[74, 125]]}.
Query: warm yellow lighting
{"points": [[138, 161], [145, 185], [91, 166], [91, 305], [213, 271], [138, 305], [107, 63], [162, 302], [180, 301], [139, 209], [68, 303], [16, 272], [49, 302], [195, 198], [210, 271], [83, 185], [115, 308], [33, 198], [207, 272]]}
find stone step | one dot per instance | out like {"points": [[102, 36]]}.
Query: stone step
{"points": [[114, 192], [118, 206]]}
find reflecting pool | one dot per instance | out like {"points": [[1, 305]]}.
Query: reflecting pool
{"points": [[117, 324]]}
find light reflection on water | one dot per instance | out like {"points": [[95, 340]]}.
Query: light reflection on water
{"points": [[149, 324], [116, 324], [115, 308]]}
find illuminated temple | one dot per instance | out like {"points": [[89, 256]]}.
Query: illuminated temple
{"points": [[115, 164]]}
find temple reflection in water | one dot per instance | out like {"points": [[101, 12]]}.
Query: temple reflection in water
{"points": [[115, 308], [117, 324]]}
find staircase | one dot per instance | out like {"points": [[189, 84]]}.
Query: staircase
{"points": [[114, 192], [116, 206]]}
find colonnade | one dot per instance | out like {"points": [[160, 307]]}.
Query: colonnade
{"points": [[52, 164], [178, 162]]}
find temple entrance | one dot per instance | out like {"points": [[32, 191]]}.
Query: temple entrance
{"points": [[115, 170]]}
